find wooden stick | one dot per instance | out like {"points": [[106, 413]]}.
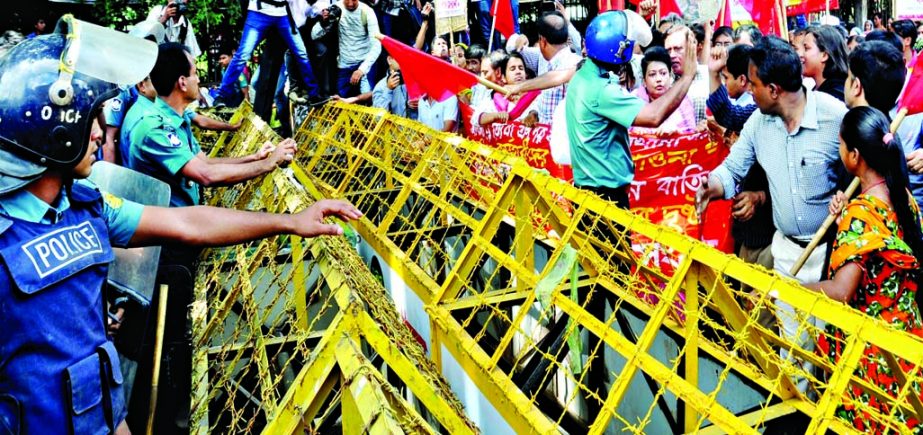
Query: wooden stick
{"points": [[493, 27], [832, 218], [487, 83], [158, 350]]}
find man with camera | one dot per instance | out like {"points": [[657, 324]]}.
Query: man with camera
{"points": [[390, 93], [358, 47], [177, 27]]}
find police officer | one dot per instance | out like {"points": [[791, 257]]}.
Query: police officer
{"points": [[58, 372], [600, 110]]}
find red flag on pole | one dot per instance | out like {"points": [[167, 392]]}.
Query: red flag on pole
{"points": [[669, 6], [761, 11], [724, 15], [912, 97], [502, 10], [425, 74]]}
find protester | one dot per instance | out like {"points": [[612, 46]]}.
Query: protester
{"points": [[867, 27], [907, 31], [730, 102], [358, 47], [458, 55], [501, 108], [698, 91], [264, 16], [38, 29], [824, 59], [240, 91], [400, 19], [478, 92], [723, 37], [440, 116], [600, 110], [390, 93], [853, 42], [747, 34], [658, 79], [874, 266], [794, 137], [54, 363], [178, 28]]}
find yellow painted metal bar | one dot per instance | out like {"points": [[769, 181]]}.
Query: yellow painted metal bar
{"points": [[252, 317], [827, 405], [691, 347], [622, 382]]}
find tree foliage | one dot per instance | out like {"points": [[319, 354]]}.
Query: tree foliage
{"points": [[203, 14]]}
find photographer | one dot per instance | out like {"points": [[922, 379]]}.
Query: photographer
{"points": [[390, 93], [358, 47], [177, 27]]}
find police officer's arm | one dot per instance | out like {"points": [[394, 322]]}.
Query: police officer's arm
{"points": [[213, 226], [214, 172], [206, 123], [653, 114]]}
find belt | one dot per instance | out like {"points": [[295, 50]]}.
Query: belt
{"points": [[797, 242]]}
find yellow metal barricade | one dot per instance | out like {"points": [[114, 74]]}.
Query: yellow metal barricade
{"points": [[536, 289], [295, 335]]}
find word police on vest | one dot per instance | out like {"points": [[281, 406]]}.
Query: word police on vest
{"points": [[54, 251]]}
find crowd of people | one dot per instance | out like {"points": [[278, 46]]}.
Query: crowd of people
{"points": [[804, 114]]}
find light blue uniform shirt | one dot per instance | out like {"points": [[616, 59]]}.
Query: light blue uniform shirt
{"points": [[115, 109], [803, 168], [121, 216], [600, 111], [135, 114], [161, 143]]}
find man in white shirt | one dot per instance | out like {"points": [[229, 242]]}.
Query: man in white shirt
{"points": [[438, 116], [177, 27], [264, 16], [359, 49]]}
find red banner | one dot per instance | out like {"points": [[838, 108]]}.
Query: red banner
{"points": [[531, 144]]}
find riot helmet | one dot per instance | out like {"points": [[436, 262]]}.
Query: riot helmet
{"points": [[50, 88], [611, 36]]}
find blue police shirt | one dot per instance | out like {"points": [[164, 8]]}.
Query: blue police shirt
{"points": [[121, 216], [115, 109], [161, 143], [134, 114]]}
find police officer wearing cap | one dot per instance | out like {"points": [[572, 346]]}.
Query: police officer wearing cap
{"points": [[58, 371], [600, 110]]}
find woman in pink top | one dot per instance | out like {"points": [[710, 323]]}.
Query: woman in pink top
{"points": [[658, 79]]}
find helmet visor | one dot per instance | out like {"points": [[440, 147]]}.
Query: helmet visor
{"points": [[106, 54]]}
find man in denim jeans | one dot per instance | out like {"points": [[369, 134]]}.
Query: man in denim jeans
{"points": [[358, 47], [264, 16]]}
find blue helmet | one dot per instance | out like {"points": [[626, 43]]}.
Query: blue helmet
{"points": [[51, 87], [611, 36]]}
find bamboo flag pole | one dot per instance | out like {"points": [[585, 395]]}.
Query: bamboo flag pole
{"points": [[158, 350], [832, 218], [489, 84]]}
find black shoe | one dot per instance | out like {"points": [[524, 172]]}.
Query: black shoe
{"points": [[219, 103], [317, 100]]}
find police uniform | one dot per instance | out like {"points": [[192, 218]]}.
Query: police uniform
{"points": [[58, 371], [59, 376], [132, 116], [160, 144], [115, 109]]}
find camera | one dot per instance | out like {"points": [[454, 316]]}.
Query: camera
{"points": [[181, 6], [334, 13]]}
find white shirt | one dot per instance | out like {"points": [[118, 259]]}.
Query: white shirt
{"points": [[173, 29], [435, 114], [268, 9]]}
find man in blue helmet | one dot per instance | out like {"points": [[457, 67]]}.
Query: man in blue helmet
{"points": [[600, 110], [58, 371]]}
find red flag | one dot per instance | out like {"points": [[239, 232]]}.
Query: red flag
{"points": [[912, 97], [669, 6], [761, 11], [810, 6], [425, 74], [502, 12], [724, 16]]}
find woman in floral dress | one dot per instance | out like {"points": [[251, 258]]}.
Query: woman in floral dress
{"points": [[875, 260]]}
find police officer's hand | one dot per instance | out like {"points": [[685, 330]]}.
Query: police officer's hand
{"points": [[113, 325], [284, 152], [265, 150], [691, 62], [235, 126], [311, 221]]}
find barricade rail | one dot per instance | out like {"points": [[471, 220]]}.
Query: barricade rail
{"points": [[533, 287], [295, 335]]}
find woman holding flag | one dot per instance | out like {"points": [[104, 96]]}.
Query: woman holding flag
{"points": [[876, 255], [500, 108]]}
